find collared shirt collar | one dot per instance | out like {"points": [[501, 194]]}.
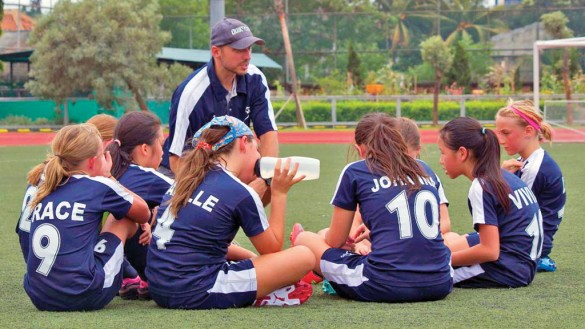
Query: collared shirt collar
{"points": [[218, 90]]}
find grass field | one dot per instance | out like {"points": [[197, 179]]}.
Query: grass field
{"points": [[553, 299]]}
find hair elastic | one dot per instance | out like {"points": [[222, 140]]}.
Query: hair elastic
{"points": [[59, 156], [525, 117], [117, 141], [203, 145], [483, 130]]}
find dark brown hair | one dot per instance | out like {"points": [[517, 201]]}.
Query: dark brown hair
{"points": [[133, 129], [484, 148], [387, 153]]}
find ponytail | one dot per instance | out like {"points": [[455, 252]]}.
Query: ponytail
{"points": [[386, 151], [195, 164], [133, 130], [70, 147], [484, 149]]}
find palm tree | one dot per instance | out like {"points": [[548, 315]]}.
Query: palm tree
{"points": [[472, 17], [401, 13]]}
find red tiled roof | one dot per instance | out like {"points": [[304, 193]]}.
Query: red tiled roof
{"points": [[10, 21]]}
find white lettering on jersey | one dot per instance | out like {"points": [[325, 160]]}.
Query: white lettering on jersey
{"points": [[385, 182], [207, 205], [62, 211], [522, 197]]}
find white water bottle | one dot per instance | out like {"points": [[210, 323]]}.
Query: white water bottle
{"points": [[307, 166]]}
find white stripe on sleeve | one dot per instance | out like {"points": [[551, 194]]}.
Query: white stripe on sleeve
{"points": [[252, 69], [476, 199], [189, 98]]}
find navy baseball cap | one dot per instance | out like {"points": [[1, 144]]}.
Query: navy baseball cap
{"points": [[233, 33]]}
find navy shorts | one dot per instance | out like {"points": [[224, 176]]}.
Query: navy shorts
{"points": [[108, 254], [345, 271], [232, 284], [474, 276]]}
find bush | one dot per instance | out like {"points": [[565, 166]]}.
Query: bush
{"points": [[21, 120], [352, 111]]}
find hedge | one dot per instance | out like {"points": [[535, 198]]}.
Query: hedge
{"points": [[348, 111]]}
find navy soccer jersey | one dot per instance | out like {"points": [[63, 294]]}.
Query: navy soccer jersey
{"points": [[520, 230], [433, 176], [202, 96], [543, 176], [147, 183], [407, 247], [61, 267], [23, 225], [188, 251]]}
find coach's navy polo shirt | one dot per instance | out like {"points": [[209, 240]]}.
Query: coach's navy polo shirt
{"points": [[202, 96]]}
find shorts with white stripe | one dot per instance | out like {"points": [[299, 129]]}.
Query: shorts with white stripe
{"points": [[234, 285], [109, 254], [347, 273], [473, 276]]}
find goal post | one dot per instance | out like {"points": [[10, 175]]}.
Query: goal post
{"points": [[568, 117], [549, 44]]}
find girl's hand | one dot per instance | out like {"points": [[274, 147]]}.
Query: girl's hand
{"points": [[146, 236], [361, 233], [363, 248], [512, 165], [107, 166], [284, 178]]}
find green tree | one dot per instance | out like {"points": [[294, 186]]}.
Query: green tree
{"points": [[187, 21], [403, 13], [470, 16], [1, 16], [460, 71], [353, 67], [104, 46], [168, 77], [436, 52], [555, 24]]}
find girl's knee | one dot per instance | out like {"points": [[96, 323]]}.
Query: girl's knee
{"points": [[304, 256], [305, 238]]}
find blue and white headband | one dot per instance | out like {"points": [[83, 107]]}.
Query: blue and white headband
{"points": [[237, 129]]}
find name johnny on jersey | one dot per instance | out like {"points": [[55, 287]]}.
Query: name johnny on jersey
{"points": [[385, 182]]}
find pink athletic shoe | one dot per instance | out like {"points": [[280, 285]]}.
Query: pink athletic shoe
{"points": [[292, 295], [129, 288], [296, 230], [143, 293]]}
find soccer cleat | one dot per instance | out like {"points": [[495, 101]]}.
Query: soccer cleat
{"points": [[296, 230], [129, 288], [295, 294], [312, 278], [545, 264], [328, 288], [143, 293]]}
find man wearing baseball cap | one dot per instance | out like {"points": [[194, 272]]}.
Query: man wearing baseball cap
{"points": [[227, 85]]}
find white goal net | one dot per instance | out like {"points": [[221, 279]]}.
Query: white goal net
{"points": [[566, 115]]}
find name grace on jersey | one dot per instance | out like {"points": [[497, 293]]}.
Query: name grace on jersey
{"points": [[386, 182], [63, 210]]}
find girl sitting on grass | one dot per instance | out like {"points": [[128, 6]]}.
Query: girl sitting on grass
{"points": [[502, 251], [520, 129], [399, 205]]}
